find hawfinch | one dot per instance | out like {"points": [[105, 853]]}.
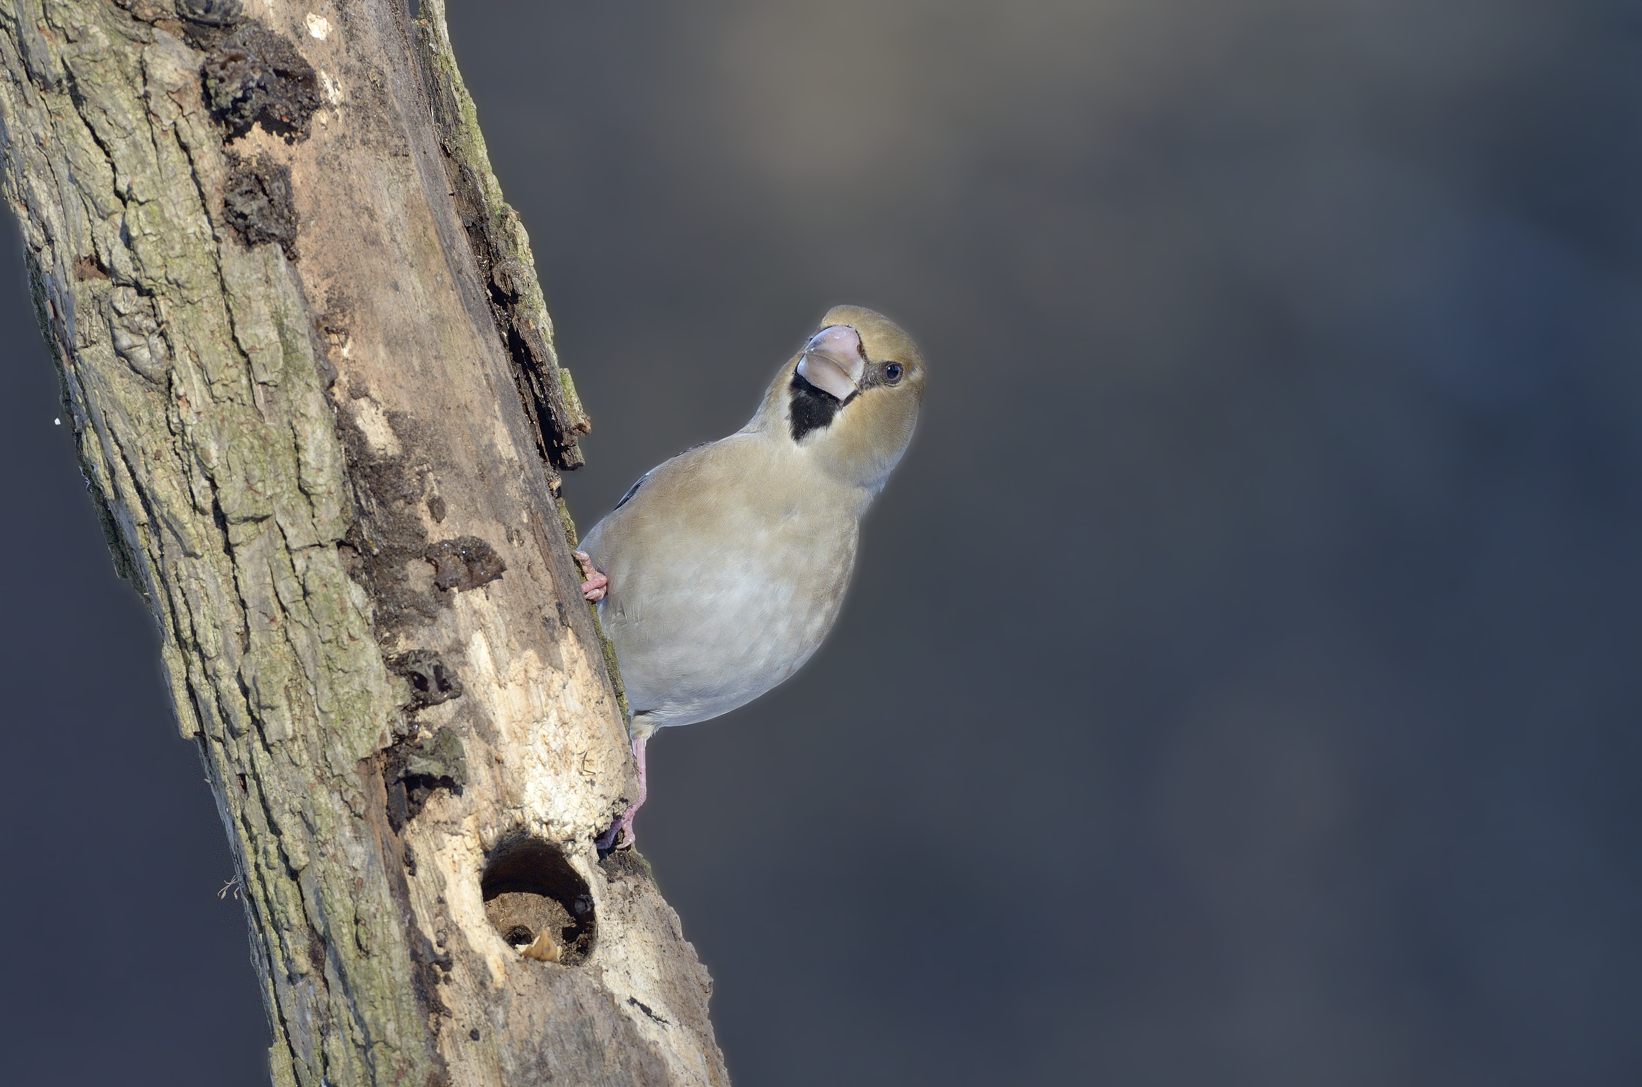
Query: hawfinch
{"points": [[720, 571]]}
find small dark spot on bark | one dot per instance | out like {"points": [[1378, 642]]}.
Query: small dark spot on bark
{"points": [[125, 558], [474, 1034], [425, 971], [258, 205], [431, 680], [413, 772], [211, 12], [333, 329], [149, 11], [325, 368], [465, 562], [89, 267], [252, 76], [506, 276], [647, 1010], [436, 508], [389, 537], [624, 864]]}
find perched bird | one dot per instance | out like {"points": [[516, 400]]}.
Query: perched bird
{"points": [[720, 571]]}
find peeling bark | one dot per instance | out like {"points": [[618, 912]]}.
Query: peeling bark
{"points": [[314, 388]]}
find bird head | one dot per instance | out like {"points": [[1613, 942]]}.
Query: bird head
{"points": [[850, 396]]}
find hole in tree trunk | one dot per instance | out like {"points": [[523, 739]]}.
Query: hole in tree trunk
{"points": [[537, 902]]}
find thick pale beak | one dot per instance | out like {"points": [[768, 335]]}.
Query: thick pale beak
{"points": [[833, 361]]}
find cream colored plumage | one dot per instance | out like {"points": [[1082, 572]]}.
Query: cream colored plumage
{"points": [[721, 570]]}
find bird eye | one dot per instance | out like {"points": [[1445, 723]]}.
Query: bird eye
{"points": [[892, 374]]}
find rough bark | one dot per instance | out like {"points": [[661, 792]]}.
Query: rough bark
{"points": [[313, 382]]}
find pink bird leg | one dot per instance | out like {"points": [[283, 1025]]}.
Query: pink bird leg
{"points": [[621, 832]]}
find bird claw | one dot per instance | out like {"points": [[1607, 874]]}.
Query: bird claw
{"points": [[620, 836], [593, 589]]}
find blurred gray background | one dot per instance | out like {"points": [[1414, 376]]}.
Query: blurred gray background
{"points": [[1241, 682]]}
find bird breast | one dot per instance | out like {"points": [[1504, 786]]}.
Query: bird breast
{"points": [[716, 600]]}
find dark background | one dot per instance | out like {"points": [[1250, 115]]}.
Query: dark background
{"points": [[1241, 681]]}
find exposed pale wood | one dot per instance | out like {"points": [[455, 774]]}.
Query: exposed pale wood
{"points": [[314, 387]]}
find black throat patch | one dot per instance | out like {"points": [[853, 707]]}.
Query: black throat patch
{"points": [[809, 408]]}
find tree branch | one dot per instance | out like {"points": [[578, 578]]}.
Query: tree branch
{"points": [[315, 392]]}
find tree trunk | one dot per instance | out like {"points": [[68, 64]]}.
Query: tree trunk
{"points": [[310, 370]]}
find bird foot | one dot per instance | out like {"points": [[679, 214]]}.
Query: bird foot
{"points": [[593, 589], [620, 836]]}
